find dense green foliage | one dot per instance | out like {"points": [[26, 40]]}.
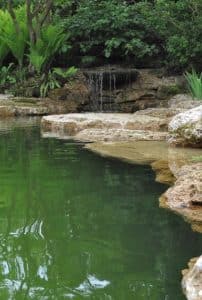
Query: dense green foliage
{"points": [[144, 33], [110, 29], [141, 31]]}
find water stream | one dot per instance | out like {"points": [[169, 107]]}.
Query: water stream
{"points": [[74, 225]]}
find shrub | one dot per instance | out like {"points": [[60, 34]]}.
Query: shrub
{"points": [[110, 29], [141, 31], [178, 25]]}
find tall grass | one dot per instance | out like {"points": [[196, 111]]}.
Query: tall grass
{"points": [[195, 84]]}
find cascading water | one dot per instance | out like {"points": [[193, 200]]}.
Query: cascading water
{"points": [[95, 83], [104, 84]]}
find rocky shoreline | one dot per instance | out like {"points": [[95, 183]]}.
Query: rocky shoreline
{"points": [[147, 115], [140, 138]]}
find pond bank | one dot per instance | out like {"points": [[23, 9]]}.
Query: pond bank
{"points": [[135, 138], [19, 106]]}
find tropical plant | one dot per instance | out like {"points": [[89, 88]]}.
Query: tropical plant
{"points": [[194, 84], [49, 83], [15, 36], [3, 46], [46, 46], [6, 76]]}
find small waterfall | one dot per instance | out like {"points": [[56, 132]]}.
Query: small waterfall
{"points": [[95, 83], [104, 84], [101, 91]]}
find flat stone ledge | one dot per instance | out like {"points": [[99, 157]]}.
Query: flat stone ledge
{"points": [[106, 126]]}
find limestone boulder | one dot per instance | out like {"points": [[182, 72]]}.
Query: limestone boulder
{"points": [[106, 126], [185, 129], [192, 279], [185, 196]]}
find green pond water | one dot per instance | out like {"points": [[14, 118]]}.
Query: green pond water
{"points": [[74, 225]]}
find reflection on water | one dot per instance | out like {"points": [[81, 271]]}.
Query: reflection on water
{"points": [[74, 225]]}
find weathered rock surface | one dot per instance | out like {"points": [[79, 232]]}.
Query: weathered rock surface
{"points": [[185, 129], [106, 127], [160, 112], [192, 279], [76, 92], [163, 172], [185, 197], [182, 102], [10, 107], [137, 89]]}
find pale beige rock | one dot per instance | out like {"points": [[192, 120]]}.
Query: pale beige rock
{"points": [[192, 279], [185, 197], [160, 112], [121, 135], [185, 129], [18, 106], [183, 102], [106, 127]]}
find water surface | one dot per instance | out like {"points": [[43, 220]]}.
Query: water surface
{"points": [[74, 225]]}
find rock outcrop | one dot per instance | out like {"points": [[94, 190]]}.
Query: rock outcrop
{"points": [[106, 127], [192, 279], [75, 92], [128, 90], [182, 102], [11, 107], [185, 196], [185, 129]]}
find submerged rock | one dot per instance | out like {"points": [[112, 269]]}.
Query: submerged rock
{"points": [[185, 129], [192, 279]]}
